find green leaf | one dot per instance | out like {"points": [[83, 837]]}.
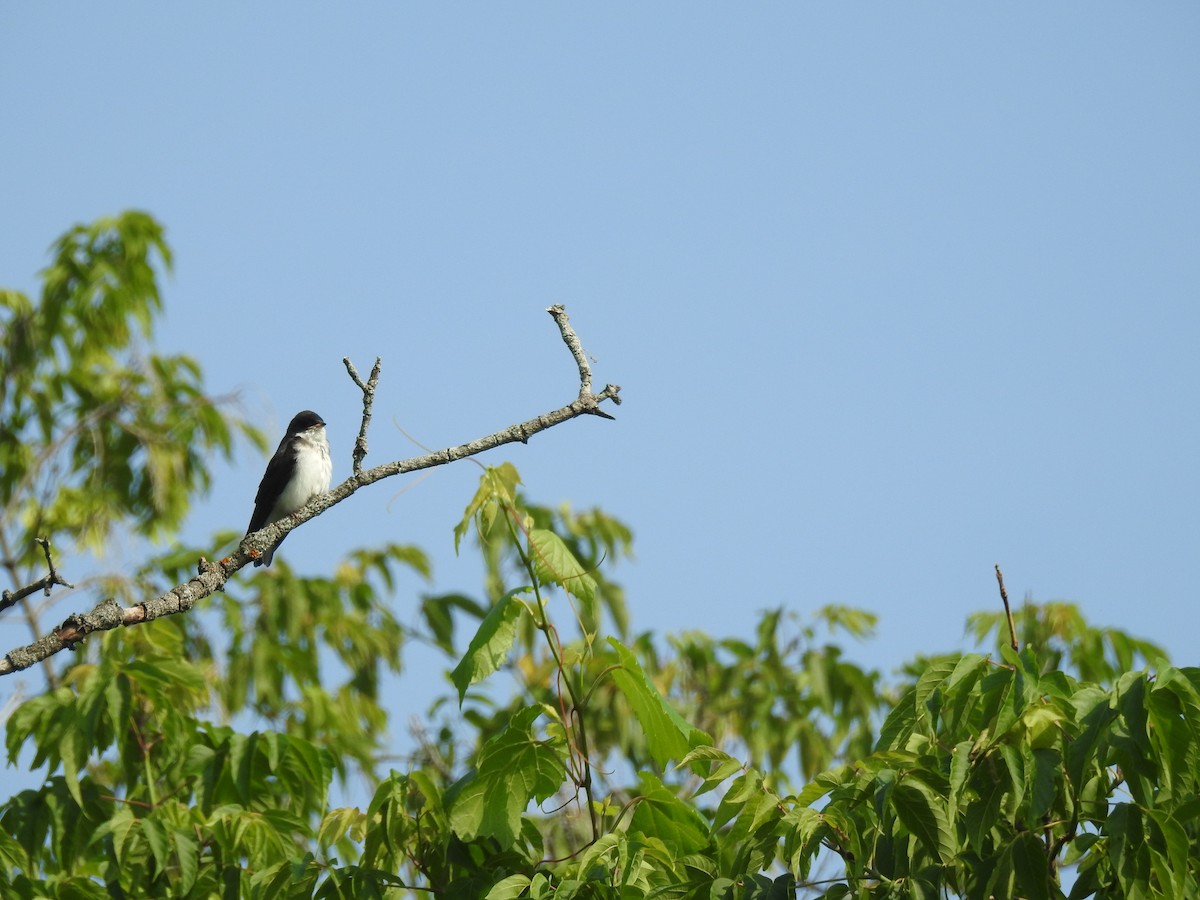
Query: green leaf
{"points": [[668, 736], [725, 766], [497, 490], [923, 813], [1047, 770], [489, 648], [899, 723], [438, 612], [960, 768], [1030, 867], [554, 562], [509, 888], [514, 767], [187, 853], [80, 888], [1178, 849], [662, 815], [156, 838], [73, 758]]}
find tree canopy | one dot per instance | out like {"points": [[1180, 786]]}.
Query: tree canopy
{"points": [[198, 755]]}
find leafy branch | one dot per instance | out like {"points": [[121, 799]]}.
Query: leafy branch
{"points": [[212, 576]]}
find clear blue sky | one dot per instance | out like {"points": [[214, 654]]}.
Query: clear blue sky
{"points": [[894, 292]]}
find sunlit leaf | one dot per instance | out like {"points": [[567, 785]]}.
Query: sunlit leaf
{"points": [[489, 648], [668, 736]]}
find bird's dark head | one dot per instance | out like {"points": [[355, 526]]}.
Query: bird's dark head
{"points": [[303, 421]]}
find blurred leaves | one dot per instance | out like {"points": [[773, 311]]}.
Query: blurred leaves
{"points": [[96, 432]]}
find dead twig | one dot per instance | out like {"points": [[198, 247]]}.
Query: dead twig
{"points": [[1012, 628]]}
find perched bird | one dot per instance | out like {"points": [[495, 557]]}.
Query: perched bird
{"points": [[299, 470]]}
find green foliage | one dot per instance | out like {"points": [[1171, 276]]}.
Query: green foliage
{"points": [[95, 432], [569, 758], [1065, 641]]}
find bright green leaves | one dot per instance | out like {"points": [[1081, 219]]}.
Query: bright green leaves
{"points": [[309, 654], [558, 548], [787, 696], [123, 437], [497, 494], [145, 786], [1064, 640], [1035, 761], [489, 648], [554, 563], [514, 768], [668, 736], [684, 766]]}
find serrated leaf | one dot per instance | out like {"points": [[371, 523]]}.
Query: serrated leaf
{"points": [[514, 767], [606, 843], [497, 487], [668, 736], [509, 889], [1175, 839], [899, 723], [490, 645], [724, 766], [12, 854], [72, 761], [661, 814], [80, 888], [156, 839], [922, 813], [187, 852], [960, 768], [554, 562]]}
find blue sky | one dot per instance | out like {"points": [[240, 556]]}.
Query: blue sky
{"points": [[894, 292]]}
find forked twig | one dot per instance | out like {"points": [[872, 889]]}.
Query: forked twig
{"points": [[368, 389], [12, 598]]}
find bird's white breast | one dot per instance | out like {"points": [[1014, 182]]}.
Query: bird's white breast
{"points": [[314, 470]]}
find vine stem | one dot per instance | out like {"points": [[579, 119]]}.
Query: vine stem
{"points": [[584, 779]]}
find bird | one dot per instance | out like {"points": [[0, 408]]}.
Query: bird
{"points": [[299, 470]]}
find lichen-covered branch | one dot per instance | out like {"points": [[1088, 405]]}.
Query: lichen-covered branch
{"points": [[368, 389], [212, 576]]}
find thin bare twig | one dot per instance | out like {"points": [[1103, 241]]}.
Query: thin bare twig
{"points": [[571, 339], [212, 576], [368, 389], [12, 598], [1012, 628]]}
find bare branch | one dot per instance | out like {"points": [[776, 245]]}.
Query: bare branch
{"points": [[571, 339], [12, 598], [212, 576], [368, 389], [1012, 628]]}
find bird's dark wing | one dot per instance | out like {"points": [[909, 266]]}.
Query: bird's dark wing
{"points": [[279, 472]]}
